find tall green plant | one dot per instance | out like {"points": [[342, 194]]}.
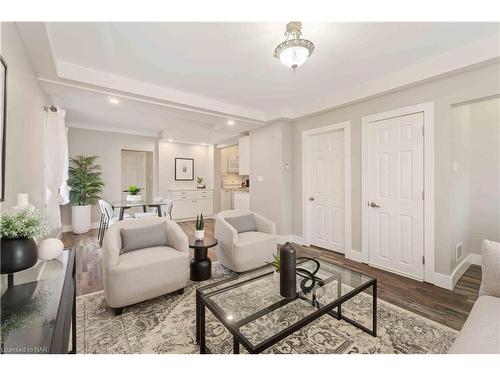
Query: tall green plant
{"points": [[85, 180]]}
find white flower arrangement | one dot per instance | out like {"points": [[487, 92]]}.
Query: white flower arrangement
{"points": [[21, 223]]}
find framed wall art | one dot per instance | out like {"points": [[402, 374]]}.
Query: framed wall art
{"points": [[184, 169]]}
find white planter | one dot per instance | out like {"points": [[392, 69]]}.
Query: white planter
{"points": [[134, 198], [199, 234], [80, 218]]}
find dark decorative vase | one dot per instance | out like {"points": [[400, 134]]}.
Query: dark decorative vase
{"points": [[288, 276], [17, 254]]}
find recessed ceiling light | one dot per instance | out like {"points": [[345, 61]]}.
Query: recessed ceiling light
{"points": [[204, 144], [114, 101], [230, 122], [170, 140]]}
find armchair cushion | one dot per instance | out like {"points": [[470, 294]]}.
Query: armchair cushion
{"points": [[490, 259], [143, 237], [243, 223]]}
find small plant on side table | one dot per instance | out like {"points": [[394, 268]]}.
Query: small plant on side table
{"points": [[199, 232]]}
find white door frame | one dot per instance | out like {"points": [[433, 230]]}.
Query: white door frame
{"points": [[306, 227], [428, 111]]}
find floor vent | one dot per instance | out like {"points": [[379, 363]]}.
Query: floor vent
{"points": [[459, 252]]}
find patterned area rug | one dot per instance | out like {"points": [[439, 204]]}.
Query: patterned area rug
{"points": [[167, 325]]}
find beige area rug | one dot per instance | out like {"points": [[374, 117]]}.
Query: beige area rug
{"points": [[167, 325]]}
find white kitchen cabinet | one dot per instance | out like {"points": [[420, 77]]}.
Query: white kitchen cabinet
{"points": [[244, 156], [241, 200], [226, 200], [229, 159], [189, 203]]}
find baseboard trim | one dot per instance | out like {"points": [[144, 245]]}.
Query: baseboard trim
{"points": [[293, 238], [475, 259], [69, 228], [459, 270], [449, 281], [353, 255]]}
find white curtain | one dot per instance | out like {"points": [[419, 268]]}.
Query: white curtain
{"points": [[56, 168]]}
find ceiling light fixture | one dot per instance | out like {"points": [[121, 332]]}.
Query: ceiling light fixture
{"points": [[170, 140], [294, 51], [230, 122], [114, 101]]}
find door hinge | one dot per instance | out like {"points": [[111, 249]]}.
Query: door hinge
{"points": [[423, 259], [423, 195]]}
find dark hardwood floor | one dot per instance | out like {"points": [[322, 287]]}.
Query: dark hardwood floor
{"points": [[450, 308]]}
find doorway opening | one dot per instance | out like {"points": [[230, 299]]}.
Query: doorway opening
{"points": [[137, 169]]}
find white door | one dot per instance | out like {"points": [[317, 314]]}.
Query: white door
{"points": [[134, 171], [325, 179], [395, 184]]}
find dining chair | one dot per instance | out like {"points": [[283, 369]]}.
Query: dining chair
{"points": [[166, 209], [108, 218]]}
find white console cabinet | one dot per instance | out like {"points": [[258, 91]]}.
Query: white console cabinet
{"points": [[189, 203]]}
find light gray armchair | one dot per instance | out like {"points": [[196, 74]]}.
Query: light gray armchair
{"points": [[142, 274], [248, 245]]}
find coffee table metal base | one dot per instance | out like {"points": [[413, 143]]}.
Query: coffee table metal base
{"points": [[238, 338]]}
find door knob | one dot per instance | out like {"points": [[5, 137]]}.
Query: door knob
{"points": [[311, 198], [375, 205]]}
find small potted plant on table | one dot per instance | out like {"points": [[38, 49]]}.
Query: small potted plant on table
{"points": [[199, 232], [133, 193], [18, 248]]}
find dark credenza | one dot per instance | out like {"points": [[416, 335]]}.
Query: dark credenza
{"points": [[38, 312]]}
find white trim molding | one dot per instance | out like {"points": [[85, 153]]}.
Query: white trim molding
{"points": [[449, 281], [292, 238], [69, 228], [475, 259], [346, 126], [429, 252], [353, 255]]}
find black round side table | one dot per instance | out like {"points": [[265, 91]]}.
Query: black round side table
{"points": [[201, 265]]}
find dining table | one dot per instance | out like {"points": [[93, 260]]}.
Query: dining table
{"points": [[124, 205]]}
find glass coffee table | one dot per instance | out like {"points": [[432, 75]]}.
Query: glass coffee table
{"points": [[251, 308]]}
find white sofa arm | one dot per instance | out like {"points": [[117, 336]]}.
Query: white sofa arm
{"points": [[176, 237], [264, 224]]}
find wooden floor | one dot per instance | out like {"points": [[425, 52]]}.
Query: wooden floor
{"points": [[450, 308]]}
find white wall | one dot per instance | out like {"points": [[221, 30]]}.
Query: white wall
{"points": [[475, 83], [475, 184], [203, 165], [108, 146], [270, 149], [25, 123]]}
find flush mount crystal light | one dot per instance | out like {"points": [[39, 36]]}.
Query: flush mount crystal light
{"points": [[294, 51]]}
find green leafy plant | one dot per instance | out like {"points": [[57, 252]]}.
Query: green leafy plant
{"points": [[85, 180], [200, 224], [21, 223], [133, 190], [199, 180], [275, 263]]}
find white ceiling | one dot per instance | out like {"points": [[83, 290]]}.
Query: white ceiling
{"points": [[226, 70]]}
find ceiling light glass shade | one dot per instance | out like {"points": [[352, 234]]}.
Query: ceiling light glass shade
{"points": [[294, 51]]}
